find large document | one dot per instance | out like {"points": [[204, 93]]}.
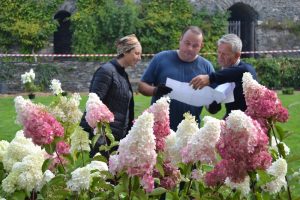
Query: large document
{"points": [[185, 93]]}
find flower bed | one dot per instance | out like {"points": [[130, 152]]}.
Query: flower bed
{"points": [[242, 156]]}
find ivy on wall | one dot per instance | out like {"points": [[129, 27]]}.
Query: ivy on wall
{"points": [[97, 24], [290, 25], [26, 24]]}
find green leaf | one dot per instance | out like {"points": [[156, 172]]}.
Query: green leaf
{"points": [[160, 169], [95, 139], [113, 144], [281, 150], [99, 157], [264, 177], [135, 183], [57, 180], [46, 164], [108, 133], [69, 157], [139, 194], [17, 195], [206, 168], [280, 132], [50, 148], [174, 195], [158, 191]]}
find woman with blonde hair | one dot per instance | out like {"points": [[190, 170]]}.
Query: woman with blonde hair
{"points": [[110, 82]]}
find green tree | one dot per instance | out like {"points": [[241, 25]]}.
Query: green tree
{"points": [[27, 24], [98, 23], [162, 23], [214, 25]]}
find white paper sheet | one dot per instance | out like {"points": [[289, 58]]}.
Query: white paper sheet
{"points": [[183, 92]]}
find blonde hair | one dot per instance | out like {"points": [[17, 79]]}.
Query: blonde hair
{"points": [[126, 44]]}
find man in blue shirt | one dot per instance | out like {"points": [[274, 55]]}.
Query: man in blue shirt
{"points": [[229, 52], [181, 65]]}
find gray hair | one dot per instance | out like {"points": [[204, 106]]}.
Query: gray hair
{"points": [[233, 40]]}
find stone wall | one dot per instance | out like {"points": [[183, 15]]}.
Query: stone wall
{"points": [[278, 11], [267, 9], [74, 76]]}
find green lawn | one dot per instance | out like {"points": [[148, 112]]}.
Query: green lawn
{"points": [[8, 127]]}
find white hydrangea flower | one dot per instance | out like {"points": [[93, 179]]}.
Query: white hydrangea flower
{"points": [[25, 175], [9, 183], [98, 165], [274, 146], [185, 130], [140, 140], [249, 82], [79, 141], [170, 145], [3, 148], [47, 176], [239, 121], [137, 148], [21, 106], [19, 148], [67, 110], [244, 186], [160, 105], [28, 77], [56, 87], [279, 170], [201, 146], [80, 179]]}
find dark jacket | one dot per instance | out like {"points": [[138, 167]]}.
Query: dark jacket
{"points": [[234, 74], [110, 82]]}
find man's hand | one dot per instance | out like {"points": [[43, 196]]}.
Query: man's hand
{"points": [[161, 90], [199, 81]]}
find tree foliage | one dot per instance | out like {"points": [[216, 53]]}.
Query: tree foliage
{"points": [[164, 21], [98, 23], [27, 24]]}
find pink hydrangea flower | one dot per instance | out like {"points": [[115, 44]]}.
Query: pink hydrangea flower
{"points": [[161, 127], [62, 148], [262, 102], [136, 152], [171, 175], [38, 124], [243, 147], [96, 111]]}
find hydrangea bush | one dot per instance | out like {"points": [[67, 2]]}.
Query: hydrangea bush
{"points": [[28, 80], [241, 157]]}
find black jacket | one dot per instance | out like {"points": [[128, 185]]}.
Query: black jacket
{"points": [[234, 74], [110, 82]]}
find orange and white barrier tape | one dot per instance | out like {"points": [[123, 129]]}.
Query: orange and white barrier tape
{"points": [[144, 55]]}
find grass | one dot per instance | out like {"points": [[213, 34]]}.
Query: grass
{"points": [[8, 127]]}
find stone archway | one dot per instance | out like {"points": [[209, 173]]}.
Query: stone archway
{"points": [[63, 35], [246, 17]]}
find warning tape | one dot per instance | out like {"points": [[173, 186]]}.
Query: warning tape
{"points": [[144, 55]]}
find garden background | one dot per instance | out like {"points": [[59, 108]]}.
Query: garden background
{"points": [[28, 26]]}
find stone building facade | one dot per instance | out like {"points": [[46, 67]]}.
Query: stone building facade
{"points": [[262, 22]]}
